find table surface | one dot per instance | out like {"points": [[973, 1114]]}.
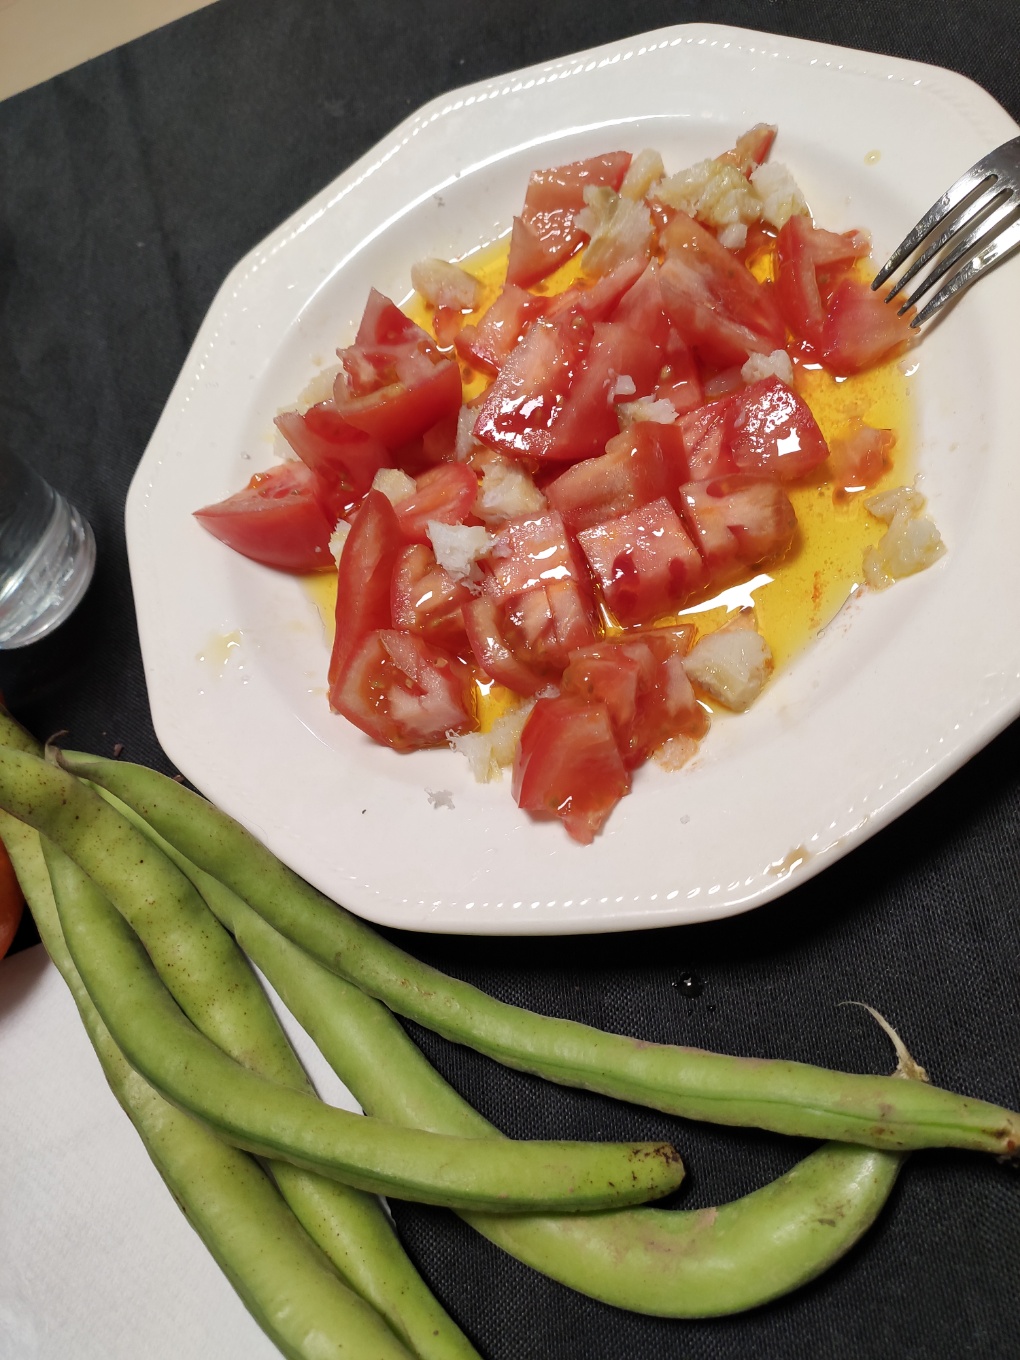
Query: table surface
{"points": [[131, 185], [42, 38]]}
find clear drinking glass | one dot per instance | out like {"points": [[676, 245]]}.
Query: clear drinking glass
{"points": [[47, 554]]}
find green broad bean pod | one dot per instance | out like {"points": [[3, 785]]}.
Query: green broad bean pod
{"points": [[278, 1122], [680, 1263], [286, 1283], [349, 1226], [786, 1097], [213, 984]]}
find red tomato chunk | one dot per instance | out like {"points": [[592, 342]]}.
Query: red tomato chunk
{"points": [[644, 561], [545, 235], [277, 520], [569, 766]]}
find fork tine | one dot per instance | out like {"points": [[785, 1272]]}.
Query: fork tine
{"points": [[992, 190], [1004, 244], [1007, 209], [943, 205], [990, 166]]}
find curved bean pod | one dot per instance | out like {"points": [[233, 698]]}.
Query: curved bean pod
{"points": [[786, 1097], [683, 1263], [280, 1275], [680, 1263], [278, 1122], [213, 983]]}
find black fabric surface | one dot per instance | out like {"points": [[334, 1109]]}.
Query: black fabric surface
{"points": [[128, 188]]}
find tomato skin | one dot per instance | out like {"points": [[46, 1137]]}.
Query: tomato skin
{"points": [[568, 765], [363, 580], [276, 520], [12, 902], [544, 235], [396, 383], [644, 562], [402, 692], [344, 459]]}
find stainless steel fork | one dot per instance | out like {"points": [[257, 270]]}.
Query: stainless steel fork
{"points": [[980, 220]]}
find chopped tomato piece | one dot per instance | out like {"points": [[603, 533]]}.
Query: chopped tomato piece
{"points": [[556, 396], [545, 624], [639, 465], [764, 429], [598, 301], [641, 307], [751, 147], [426, 599], [545, 235], [539, 605], [809, 259], [488, 342], [569, 766], [774, 433], [483, 622], [343, 458], [716, 304], [738, 522], [644, 561], [277, 520], [519, 411], [402, 692], [707, 433], [363, 580], [439, 442], [680, 379], [445, 493], [396, 382], [859, 458], [860, 329], [588, 418], [533, 550], [640, 677]]}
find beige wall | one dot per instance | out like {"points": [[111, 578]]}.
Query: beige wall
{"points": [[40, 38]]}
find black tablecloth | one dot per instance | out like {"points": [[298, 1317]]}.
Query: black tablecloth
{"points": [[128, 188]]}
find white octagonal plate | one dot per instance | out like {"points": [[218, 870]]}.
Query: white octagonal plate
{"points": [[892, 698]]}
